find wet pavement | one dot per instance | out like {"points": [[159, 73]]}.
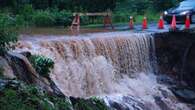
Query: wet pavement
{"points": [[152, 27]]}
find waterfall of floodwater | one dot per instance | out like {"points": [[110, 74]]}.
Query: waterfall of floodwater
{"points": [[118, 68]]}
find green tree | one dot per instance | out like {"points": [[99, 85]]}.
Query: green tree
{"points": [[164, 4]]}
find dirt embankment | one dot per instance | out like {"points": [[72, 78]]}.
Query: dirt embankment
{"points": [[176, 55]]}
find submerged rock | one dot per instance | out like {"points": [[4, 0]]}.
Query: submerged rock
{"points": [[185, 95], [9, 84], [22, 67], [5, 69], [165, 79], [119, 102], [161, 104]]}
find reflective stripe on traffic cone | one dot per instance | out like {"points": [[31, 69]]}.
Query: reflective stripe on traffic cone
{"points": [[144, 24], [187, 22], [161, 23], [173, 23], [131, 23]]}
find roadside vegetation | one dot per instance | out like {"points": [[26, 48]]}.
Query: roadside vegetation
{"points": [[48, 13], [16, 95]]}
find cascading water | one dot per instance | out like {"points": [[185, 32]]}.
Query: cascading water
{"points": [[120, 69]]}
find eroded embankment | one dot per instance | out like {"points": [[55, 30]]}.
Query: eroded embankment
{"points": [[175, 52]]}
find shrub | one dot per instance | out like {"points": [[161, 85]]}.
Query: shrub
{"points": [[20, 21], [100, 104], [90, 104], [62, 18], [10, 100], [60, 103], [43, 18], [121, 16], [85, 20], [41, 64], [5, 38], [8, 34], [24, 97], [82, 105], [26, 12], [18, 96]]}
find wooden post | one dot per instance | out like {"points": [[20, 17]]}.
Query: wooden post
{"points": [[108, 21]]}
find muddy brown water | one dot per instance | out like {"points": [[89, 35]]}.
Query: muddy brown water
{"points": [[60, 31]]}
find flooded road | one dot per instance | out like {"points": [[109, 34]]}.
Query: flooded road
{"points": [[50, 32]]}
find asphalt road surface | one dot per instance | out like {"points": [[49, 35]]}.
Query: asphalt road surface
{"points": [[153, 27]]}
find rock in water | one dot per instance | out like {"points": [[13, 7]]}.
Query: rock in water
{"points": [[185, 95]]}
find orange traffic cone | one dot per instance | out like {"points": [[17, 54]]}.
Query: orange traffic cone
{"points": [[173, 23], [144, 24], [131, 23], [187, 22], [161, 23]]}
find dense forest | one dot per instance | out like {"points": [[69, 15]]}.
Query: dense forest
{"points": [[88, 5]]}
